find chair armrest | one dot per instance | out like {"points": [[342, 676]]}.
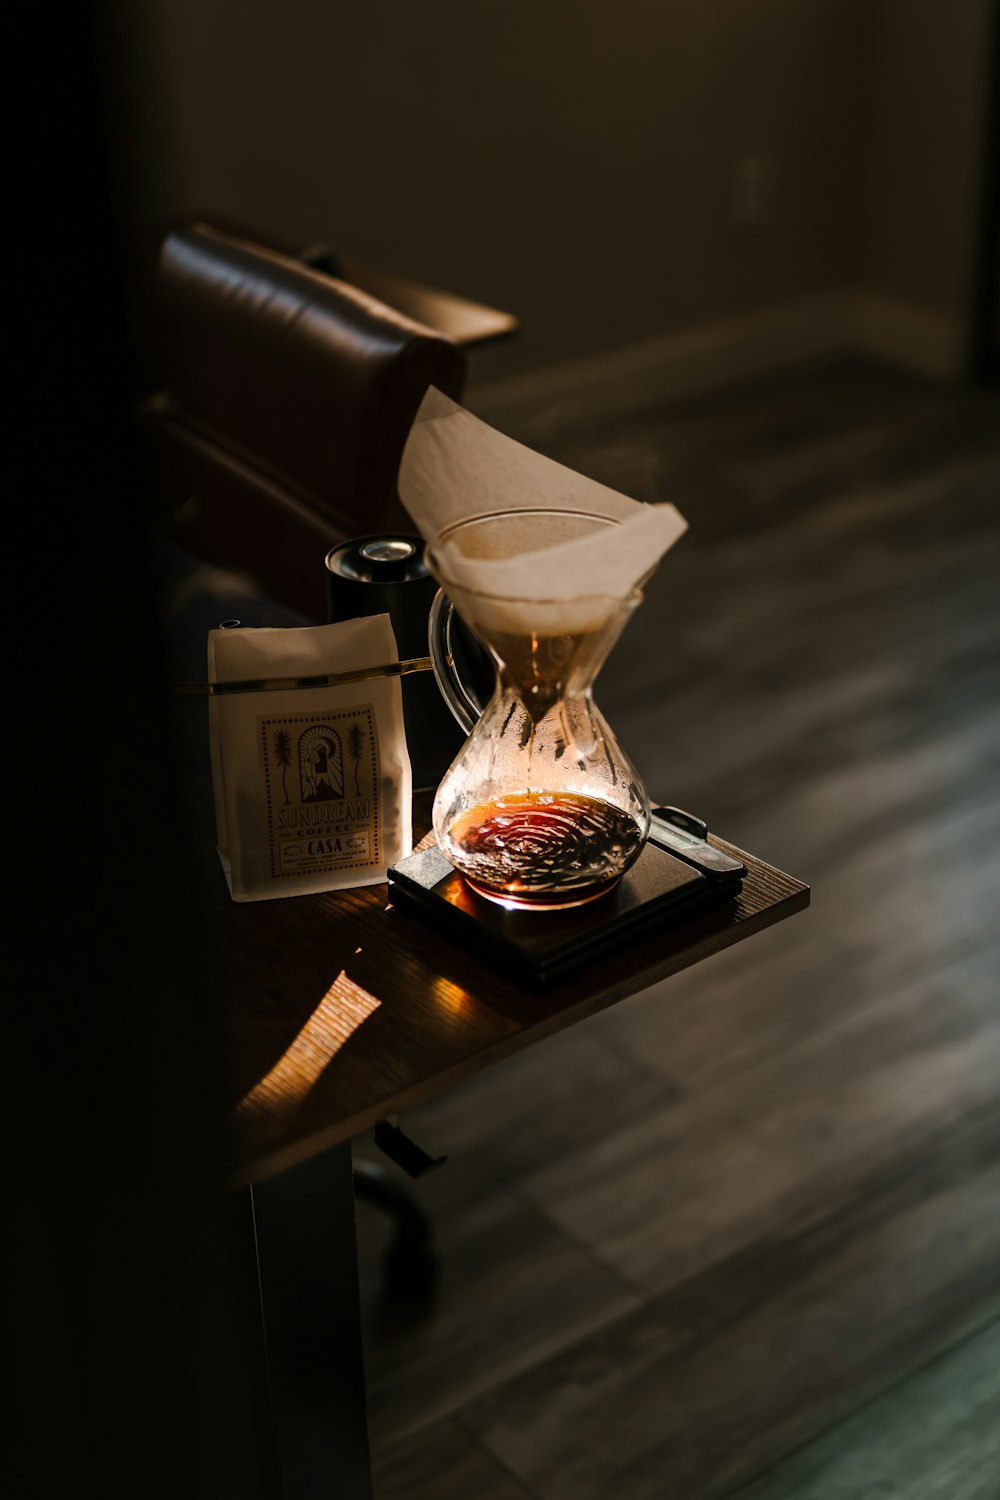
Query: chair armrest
{"points": [[456, 318]]}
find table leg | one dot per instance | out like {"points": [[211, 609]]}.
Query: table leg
{"points": [[307, 1264]]}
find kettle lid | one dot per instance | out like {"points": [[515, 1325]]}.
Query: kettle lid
{"points": [[381, 558]]}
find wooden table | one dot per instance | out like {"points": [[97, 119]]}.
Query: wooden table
{"points": [[340, 1012]]}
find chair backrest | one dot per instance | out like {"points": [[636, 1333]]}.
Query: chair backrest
{"points": [[286, 401]]}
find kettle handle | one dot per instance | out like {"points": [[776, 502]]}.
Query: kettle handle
{"points": [[440, 641]]}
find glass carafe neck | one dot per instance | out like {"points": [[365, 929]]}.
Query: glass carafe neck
{"points": [[544, 648]]}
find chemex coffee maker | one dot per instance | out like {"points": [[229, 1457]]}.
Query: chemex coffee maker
{"points": [[541, 808], [547, 848]]}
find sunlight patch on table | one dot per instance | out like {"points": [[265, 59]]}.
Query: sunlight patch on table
{"points": [[343, 1009]]}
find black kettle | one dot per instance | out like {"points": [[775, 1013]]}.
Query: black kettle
{"points": [[387, 574]]}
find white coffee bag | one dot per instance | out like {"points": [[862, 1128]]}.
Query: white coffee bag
{"points": [[311, 781]]}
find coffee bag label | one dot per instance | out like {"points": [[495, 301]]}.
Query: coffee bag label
{"points": [[321, 783]]}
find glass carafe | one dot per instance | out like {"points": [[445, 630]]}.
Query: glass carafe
{"points": [[541, 809]]}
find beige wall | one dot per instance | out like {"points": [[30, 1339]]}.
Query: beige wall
{"points": [[924, 164], [574, 160]]}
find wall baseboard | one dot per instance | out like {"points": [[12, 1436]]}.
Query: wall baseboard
{"points": [[912, 337], [712, 356]]}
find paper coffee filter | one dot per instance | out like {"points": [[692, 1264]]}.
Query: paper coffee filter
{"points": [[504, 522]]}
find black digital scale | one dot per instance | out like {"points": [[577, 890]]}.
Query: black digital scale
{"points": [[677, 875]]}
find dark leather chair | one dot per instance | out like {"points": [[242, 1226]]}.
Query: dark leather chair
{"points": [[285, 398], [284, 402]]}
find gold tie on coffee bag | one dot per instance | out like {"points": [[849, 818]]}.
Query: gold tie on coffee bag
{"points": [[311, 779]]}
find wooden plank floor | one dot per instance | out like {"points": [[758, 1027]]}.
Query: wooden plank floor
{"points": [[741, 1234]]}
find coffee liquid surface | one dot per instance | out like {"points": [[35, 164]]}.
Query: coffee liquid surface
{"points": [[543, 847]]}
